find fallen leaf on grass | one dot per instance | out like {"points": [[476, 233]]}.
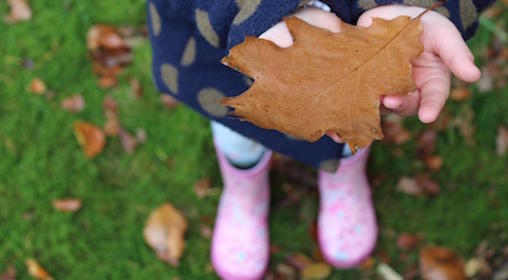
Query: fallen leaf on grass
{"points": [[477, 266], [464, 122], [316, 271], [283, 271], [501, 140], [428, 185], [411, 272], [128, 141], [38, 86], [74, 103], [407, 241], [136, 88], [37, 271], [9, 274], [206, 231], [110, 108], [433, 163], [110, 53], [427, 143], [368, 264], [345, 98], [419, 185], [298, 261], [168, 101], [106, 37], [202, 188], [67, 205], [164, 232], [20, 11], [90, 137], [438, 263], [388, 273], [409, 186], [394, 130], [460, 94]]}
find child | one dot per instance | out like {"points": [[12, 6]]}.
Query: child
{"points": [[191, 36]]}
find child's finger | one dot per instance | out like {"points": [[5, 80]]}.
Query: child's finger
{"points": [[455, 54], [335, 137], [433, 94], [406, 105]]}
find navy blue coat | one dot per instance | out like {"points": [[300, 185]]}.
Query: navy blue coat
{"points": [[189, 38]]}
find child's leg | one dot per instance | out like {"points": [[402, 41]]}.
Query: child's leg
{"points": [[239, 150], [347, 227], [240, 244]]}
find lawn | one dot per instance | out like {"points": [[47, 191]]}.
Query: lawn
{"points": [[40, 160]]}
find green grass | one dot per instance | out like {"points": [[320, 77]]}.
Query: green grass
{"points": [[40, 160]]}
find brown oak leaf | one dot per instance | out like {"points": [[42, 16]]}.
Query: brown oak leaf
{"points": [[164, 232], [438, 263], [90, 137], [326, 82]]}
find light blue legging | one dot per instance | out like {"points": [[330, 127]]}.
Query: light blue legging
{"points": [[240, 150]]}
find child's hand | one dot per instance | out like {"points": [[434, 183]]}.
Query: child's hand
{"points": [[444, 50], [279, 33]]}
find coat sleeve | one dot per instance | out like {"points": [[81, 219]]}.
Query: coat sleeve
{"points": [[463, 13], [189, 38], [224, 23]]}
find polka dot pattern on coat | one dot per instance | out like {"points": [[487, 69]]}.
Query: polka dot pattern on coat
{"points": [[189, 53], [206, 29], [209, 99], [170, 77], [155, 18]]}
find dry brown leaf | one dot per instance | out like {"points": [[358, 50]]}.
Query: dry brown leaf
{"points": [[112, 125], [306, 92], [394, 130], [388, 273], [206, 231], [428, 185], [164, 232], [284, 271], [9, 274], [407, 241], [298, 261], [202, 188], [464, 121], [368, 264], [67, 204], [168, 101], [110, 53], [38, 86], [438, 263], [477, 266], [74, 103], [90, 137], [20, 11], [433, 163], [427, 142], [128, 141], [316, 271], [460, 94], [36, 270], [501, 140], [409, 186], [106, 37], [136, 87]]}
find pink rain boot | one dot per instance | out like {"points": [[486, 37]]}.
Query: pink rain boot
{"points": [[240, 244], [347, 227]]}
